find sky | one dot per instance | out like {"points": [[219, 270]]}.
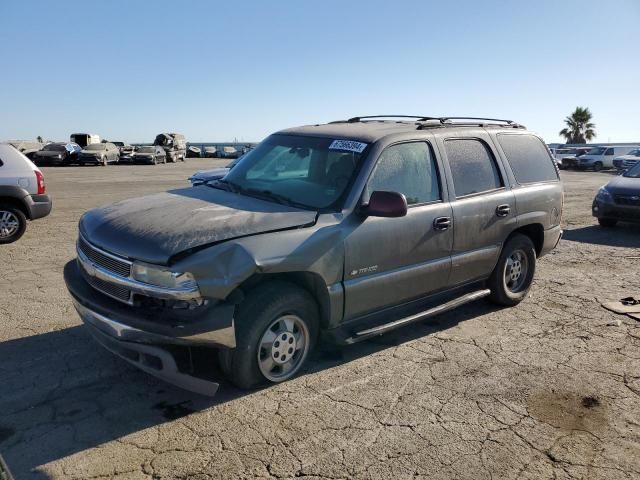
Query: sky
{"points": [[225, 70]]}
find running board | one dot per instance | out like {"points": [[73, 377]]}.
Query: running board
{"points": [[379, 330]]}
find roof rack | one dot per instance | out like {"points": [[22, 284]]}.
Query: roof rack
{"points": [[419, 118]]}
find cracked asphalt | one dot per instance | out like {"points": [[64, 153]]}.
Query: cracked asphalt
{"points": [[548, 389]]}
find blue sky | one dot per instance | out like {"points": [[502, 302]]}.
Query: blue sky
{"points": [[128, 69]]}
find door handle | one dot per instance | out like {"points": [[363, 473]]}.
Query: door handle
{"points": [[441, 223], [503, 210]]}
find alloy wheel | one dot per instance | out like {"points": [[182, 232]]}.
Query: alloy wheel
{"points": [[9, 224], [515, 271], [283, 348]]}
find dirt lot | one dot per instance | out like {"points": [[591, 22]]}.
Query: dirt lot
{"points": [[549, 389]]}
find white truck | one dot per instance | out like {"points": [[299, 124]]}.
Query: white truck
{"points": [[84, 139]]}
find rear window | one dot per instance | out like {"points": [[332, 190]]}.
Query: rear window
{"points": [[528, 158], [473, 167]]}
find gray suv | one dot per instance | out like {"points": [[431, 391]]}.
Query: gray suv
{"points": [[348, 229]]}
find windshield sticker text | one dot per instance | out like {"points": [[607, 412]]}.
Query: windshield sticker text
{"points": [[348, 146]]}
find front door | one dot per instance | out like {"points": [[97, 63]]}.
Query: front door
{"points": [[389, 261], [484, 210]]}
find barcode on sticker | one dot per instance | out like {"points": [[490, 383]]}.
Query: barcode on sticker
{"points": [[348, 146]]}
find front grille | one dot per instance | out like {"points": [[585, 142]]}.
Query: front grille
{"points": [[115, 291], [112, 264], [628, 200]]}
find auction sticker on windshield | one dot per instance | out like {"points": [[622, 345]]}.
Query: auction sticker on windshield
{"points": [[348, 146]]}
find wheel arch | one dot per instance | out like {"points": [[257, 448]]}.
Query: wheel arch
{"points": [[17, 203], [313, 283], [535, 231]]}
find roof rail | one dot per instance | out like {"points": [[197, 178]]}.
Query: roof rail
{"points": [[442, 121], [419, 118]]}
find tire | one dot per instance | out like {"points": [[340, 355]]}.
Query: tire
{"points": [[164, 160], [103, 161], [154, 161], [279, 313], [511, 279], [13, 223], [607, 222], [597, 166]]}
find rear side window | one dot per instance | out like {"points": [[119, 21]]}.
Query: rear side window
{"points": [[407, 168], [609, 151], [473, 166], [528, 158]]}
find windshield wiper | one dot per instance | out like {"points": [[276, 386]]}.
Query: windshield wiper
{"points": [[225, 184], [281, 199]]}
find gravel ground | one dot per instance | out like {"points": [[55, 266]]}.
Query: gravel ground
{"points": [[548, 389]]}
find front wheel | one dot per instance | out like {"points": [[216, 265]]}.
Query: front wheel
{"points": [[597, 166], [276, 329], [13, 223], [513, 275]]}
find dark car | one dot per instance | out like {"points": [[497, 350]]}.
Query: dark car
{"points": [[194, 152], [619, 200], [99, 153], [346, 230], [57, 154], [152, 154], [210, 152], [205, 176]]}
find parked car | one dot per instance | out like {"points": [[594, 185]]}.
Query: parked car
{"points": [[57, 154], [204, 176], [194, 152], [125, 150], [100, 154], [625, 162], [210, 152], [152, 154], [174, 145], [27, 147], [23, 194], [619, 200], [84, 139], [349, 229], [601, 157], [228, 152], [567, 157]]}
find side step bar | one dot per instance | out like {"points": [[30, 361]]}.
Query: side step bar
{"points": [[379, 330]]}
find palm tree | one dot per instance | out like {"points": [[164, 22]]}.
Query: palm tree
{"points": [[580, 128]]}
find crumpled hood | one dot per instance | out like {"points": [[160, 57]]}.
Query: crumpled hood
{"points": [[624, 186], [213, 174], [156, 227]]}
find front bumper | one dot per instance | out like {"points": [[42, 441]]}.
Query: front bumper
{"points": [[614, 211], [143, 337]]}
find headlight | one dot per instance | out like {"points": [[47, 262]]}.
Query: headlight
{"points": [[162, 277], [604, 195]]}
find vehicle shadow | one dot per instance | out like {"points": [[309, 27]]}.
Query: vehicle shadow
{"points": [[623, 235], [61, 394]]}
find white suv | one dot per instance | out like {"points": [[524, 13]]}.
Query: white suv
{"points": [[22, 193]]}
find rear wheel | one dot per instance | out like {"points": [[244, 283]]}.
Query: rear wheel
{"points": [[607, 222], [276, 329], [513, 275], [13, 223]]}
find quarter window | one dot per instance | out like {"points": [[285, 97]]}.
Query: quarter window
{"points": [[473, 167], [528, 158], [410, 169]]}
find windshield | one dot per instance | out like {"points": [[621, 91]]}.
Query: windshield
{"points": [[146, 150], [54, 148], [95, 147], [596, 151], [633, 172], [310, 172]]}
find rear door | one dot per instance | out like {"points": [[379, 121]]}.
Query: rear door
{"points": [[483, 206], [389, 261]]}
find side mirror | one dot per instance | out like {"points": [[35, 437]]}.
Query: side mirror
{"points": [[385, 204]]}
